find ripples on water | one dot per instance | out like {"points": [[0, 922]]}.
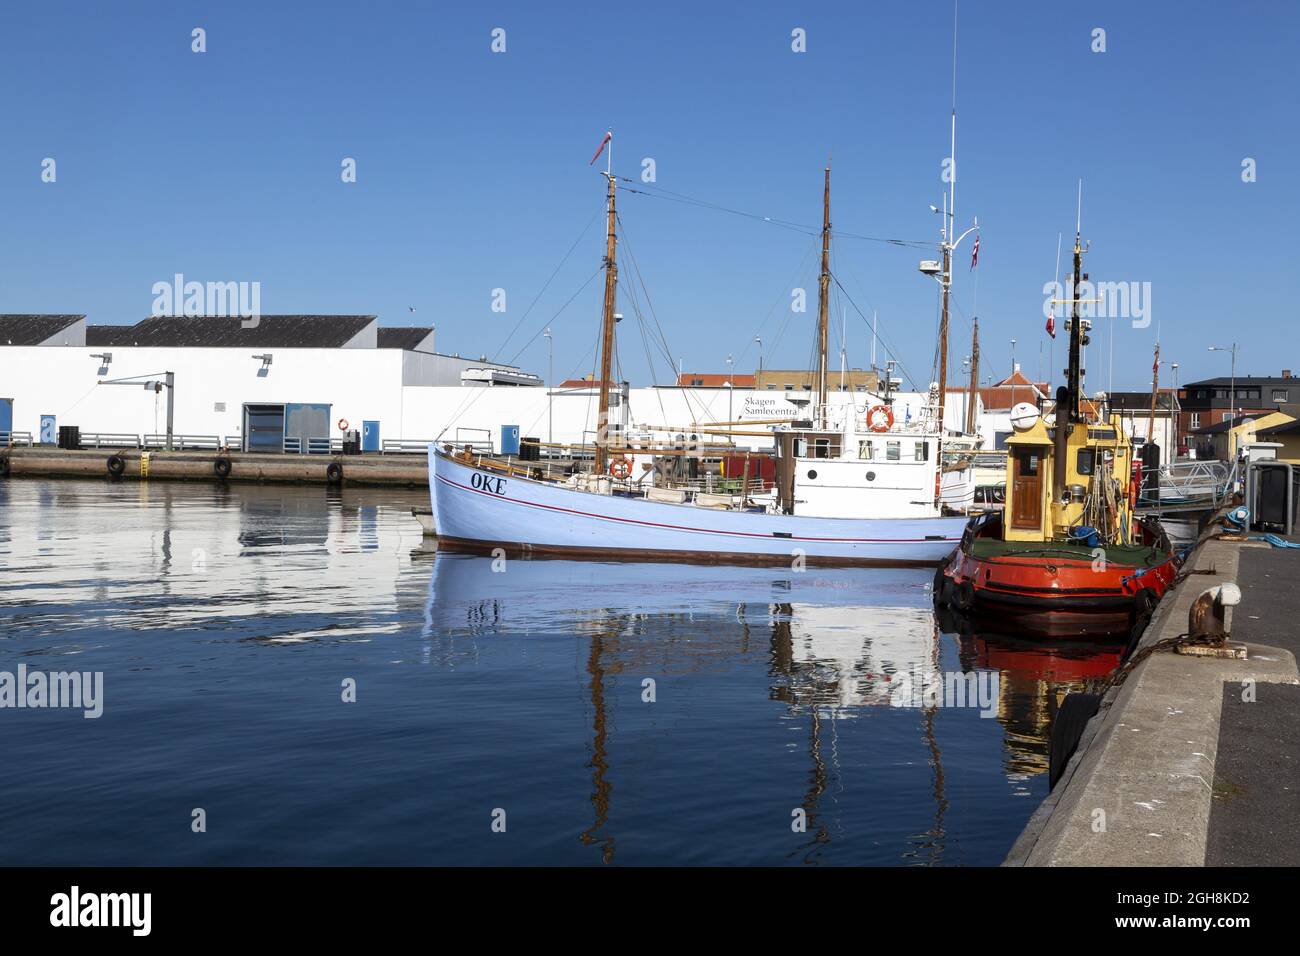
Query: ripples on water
{"points": [[225, 621]]}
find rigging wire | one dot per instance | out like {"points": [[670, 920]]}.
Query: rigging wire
{"points": [[658, 192], [547, 285]]}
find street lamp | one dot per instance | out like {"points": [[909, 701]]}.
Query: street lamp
{"points": [[1232, 413], [731, 390], [550, 389], [1013, 373], [759, 340]]}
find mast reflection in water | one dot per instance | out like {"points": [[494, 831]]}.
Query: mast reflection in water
{"points": [[616, 713]]}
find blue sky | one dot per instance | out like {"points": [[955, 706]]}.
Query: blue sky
{"points": [[472, 168]]}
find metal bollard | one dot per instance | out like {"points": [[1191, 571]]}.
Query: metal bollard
{"points": [[1208, 623]]}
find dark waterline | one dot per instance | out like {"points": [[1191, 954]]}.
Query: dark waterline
{"points": [[226, 621]]}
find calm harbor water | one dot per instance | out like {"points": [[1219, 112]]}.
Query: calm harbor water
{"points": [[226, 621]]}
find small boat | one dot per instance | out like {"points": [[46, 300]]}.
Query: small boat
{"points": [[1067, 555]]}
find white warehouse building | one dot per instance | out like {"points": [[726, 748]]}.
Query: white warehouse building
{"points": [[229, 381]]}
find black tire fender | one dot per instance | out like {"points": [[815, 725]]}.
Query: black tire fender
{"points": [[116, 465], [939, 591], [962, 595], [4, 466], [1067, 727], [221, 467], [334, 473]]}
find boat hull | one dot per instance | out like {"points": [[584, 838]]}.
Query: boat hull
{"points": [[1056, 596], [480, 511]]}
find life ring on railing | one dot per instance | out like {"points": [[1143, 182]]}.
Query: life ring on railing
{"points": [[880, 418], [620, 468], [343, 424]]}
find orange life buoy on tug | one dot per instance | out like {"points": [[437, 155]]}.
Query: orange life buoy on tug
{"points": [[620, 468], [880, 418]]}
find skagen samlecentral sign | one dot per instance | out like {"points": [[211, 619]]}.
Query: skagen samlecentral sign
{"points": [[757, 407]]}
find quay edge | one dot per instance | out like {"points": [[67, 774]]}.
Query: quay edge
{"points": [[390, 470], [1140, 788]]}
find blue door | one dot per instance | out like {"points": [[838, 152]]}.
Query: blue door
{"points": [[49, 430], [6, 415], [370, 436], [509, 439]]}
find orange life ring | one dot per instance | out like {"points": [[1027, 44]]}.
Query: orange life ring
{"points": [[872, 415], [343, 424], [620, 468]]}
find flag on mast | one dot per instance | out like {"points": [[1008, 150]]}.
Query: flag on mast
{"points": [[603, 143], [975, 252], [1051, 323]]}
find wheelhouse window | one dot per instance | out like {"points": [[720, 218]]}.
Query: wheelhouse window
{"points": [[893, 451], [866, 451], [922, 451], [1087, 460]]}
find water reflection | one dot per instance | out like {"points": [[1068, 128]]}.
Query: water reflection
{"points": [[1035, 676], [520, 683], [836, 641]]}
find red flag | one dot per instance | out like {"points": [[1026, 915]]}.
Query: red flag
{"points": [[1051, 325], [975, 252], [608, 137], [1155, 366]]}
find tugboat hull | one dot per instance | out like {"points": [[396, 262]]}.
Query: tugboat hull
{"points": [[1057, 589]]}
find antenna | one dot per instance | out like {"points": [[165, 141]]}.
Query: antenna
{"points": [[952, 182], [1078, 217]]}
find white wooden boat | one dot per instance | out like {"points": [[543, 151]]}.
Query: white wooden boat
{"points": [[478, 509], [853, 486]]}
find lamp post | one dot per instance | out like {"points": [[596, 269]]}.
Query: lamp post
{"points": [[759, 340], [731, 388], [550, 389], [1013, 373], [1232, 413]]}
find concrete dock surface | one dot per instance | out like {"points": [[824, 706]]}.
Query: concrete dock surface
{"points": [[1191, 760]]}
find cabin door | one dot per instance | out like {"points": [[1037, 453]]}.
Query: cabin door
{"points": [[1027, 488]]}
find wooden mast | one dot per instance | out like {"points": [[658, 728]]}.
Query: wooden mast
{"points": [[973, 395], [607, 336], [823, 297]]}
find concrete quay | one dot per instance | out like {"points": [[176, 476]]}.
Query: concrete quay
{"points": [[1191, 760], [411, 470]]}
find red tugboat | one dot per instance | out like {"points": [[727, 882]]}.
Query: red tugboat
{"points": [[1066, 557]]}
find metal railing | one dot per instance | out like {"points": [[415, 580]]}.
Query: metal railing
{"points": [[1194, 480], [399, 446], [314, 446], [15, 438], [109, 440], [183, 442]]}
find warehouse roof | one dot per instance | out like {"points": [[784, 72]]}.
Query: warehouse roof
{"points": [[33, 329], [1141, 401], [270, 331], [401, 337]]}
